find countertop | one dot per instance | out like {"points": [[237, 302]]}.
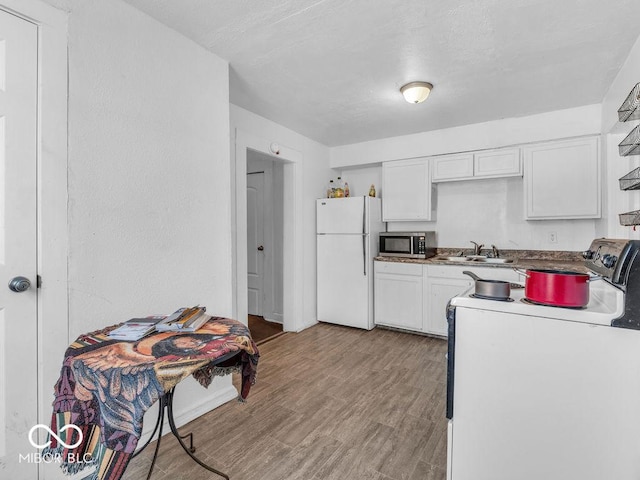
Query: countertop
{"points": [[523, 259]]}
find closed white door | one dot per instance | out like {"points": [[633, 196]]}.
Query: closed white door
{"points": [[255, 241], [18, 327]]}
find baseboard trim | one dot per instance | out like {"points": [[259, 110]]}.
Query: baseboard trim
{"points": [[307, 325]]}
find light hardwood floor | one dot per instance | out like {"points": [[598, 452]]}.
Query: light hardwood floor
{"points": [[330, 403]]}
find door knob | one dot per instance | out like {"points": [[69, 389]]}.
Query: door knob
{"points": [[260, 248], [19, 284]]}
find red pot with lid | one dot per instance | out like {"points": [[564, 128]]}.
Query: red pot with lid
{"points": [[557, 288]]}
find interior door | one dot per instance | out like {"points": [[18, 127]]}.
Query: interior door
{"points": [[18, 321], [255, 242]]}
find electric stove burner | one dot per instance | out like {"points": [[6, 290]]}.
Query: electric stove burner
{"points": [[485, 297], [531, 302]]}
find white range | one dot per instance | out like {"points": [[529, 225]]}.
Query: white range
{"points": [[546, 393]]}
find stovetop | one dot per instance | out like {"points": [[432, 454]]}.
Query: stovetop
{"points": [[614, 300], [606, 302]]}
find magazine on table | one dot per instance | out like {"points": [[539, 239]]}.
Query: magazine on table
{"points": [[136, 328], [184, 320]]}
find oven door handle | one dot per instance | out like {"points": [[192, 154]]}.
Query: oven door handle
{"points": [[451, 357]]}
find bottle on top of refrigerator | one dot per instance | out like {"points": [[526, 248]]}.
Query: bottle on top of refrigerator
{"points": [[339, 191], [372, 190], [330, 189], [346, 189]]}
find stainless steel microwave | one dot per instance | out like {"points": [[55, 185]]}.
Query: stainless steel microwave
{"points": [[408, 244]]}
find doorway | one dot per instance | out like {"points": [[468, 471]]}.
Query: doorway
{"points": [[247, 145], [265, 217]]}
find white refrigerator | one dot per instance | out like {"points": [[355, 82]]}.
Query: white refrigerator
{"points": [[347, 241]]}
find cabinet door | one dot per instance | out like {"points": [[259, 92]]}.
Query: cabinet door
{"points": [[503, 162], [406, 190], [452, 167], [439, 292], [562, 179], [398, 296]]}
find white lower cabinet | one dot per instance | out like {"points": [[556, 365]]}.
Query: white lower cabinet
{"points": [[439, 290], [414, 296], [398, 295]]}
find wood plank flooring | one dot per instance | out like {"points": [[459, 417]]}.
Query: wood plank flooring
{"points": [[330, 403], [263, 330]]}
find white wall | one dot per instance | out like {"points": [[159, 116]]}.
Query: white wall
{"points": [[625, 80], [278, 241], [499, 133], [149, 174], [315, 174], [149, 183], [616, 166]]}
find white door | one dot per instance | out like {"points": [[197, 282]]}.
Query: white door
{"points": [[18, 332], [255, 241]]}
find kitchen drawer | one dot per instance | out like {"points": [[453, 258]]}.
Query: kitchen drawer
{"points": [[398, 268], [487, 272]]}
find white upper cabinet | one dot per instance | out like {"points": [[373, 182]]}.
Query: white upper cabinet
{"points": [[452, 167], [407, 192], [562, 179], [501, 162]]}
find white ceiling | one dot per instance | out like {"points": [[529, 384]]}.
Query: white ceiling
{"points": [[331, 69]]}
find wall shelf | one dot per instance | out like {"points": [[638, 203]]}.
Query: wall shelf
{"points": [[630, 108], [631, 143], [630, 218], [631, 181]]}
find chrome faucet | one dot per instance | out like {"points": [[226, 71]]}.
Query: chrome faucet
{"points": [[477, 247], [496, 253]]}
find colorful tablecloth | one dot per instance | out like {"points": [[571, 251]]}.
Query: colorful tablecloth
{"points": [[107, 385]]}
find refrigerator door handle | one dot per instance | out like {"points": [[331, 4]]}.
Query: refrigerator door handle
{"points": [[364, 216], [364, 235], [364, 253]]}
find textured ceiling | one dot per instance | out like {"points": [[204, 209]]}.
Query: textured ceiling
{"points": [[331, 69]]}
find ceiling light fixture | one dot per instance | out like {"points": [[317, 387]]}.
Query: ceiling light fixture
{"points": [[416, 92]]}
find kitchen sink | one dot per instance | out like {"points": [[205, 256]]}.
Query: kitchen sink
{"points": [[453, 259], [474, 259], [493, 260]]}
